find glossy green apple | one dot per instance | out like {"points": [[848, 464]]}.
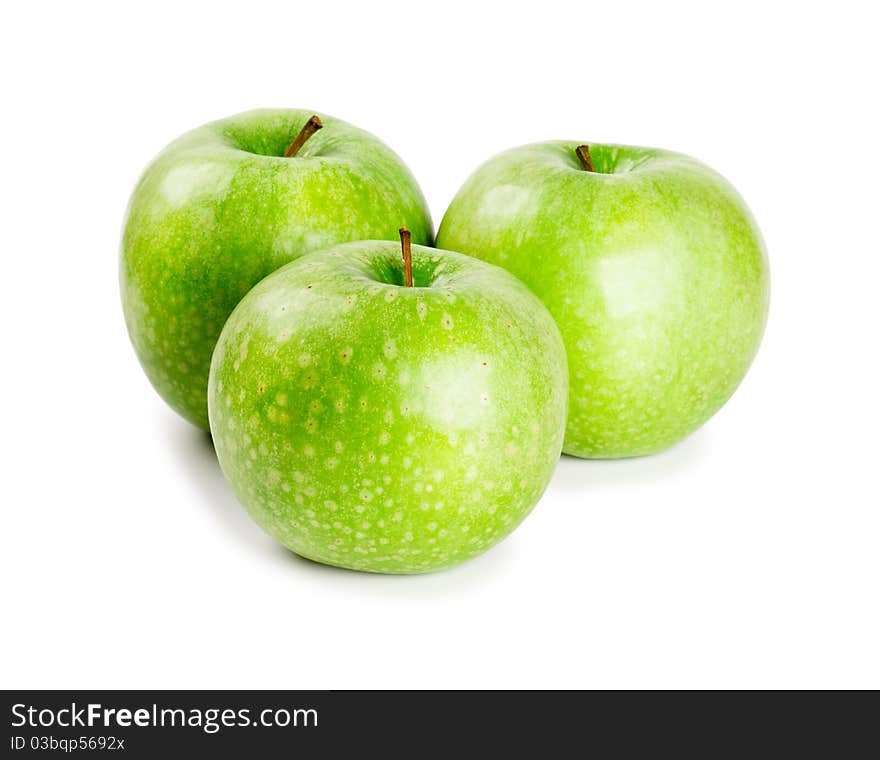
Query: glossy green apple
{"points": [[651, 265], [386, 428], [222, 207]]}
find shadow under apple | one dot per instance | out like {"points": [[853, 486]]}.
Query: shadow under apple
{"points": [[575, 475]]}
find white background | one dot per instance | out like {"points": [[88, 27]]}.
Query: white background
{"points": [[748, 556]]}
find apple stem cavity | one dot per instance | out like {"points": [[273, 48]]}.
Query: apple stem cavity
{"points": [[583, 154], [311, 126], [406, 247]]}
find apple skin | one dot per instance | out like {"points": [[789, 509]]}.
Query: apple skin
{"points": [[385, 428], [220, 208], [652, 267]]}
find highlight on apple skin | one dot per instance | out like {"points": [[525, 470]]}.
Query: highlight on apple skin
{"points": [[382, 427], [652, 266], [230, 202]]}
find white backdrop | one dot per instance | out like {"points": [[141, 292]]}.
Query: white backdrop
{"points": [[745, 557]]}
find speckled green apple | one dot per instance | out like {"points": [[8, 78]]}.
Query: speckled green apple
{"points": [[386, 428], [653, 268], [222, 207]]}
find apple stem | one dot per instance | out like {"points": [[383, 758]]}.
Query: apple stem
{"points": [[583, 153], [407, 256], [311, 126]]}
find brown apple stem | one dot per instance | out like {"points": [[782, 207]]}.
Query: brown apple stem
{"points": [[407, 256], [311, 126], [583, 153]]}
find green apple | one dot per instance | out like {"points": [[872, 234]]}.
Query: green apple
{"points": [[652, 266], [379, 427], [230, 202]]}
